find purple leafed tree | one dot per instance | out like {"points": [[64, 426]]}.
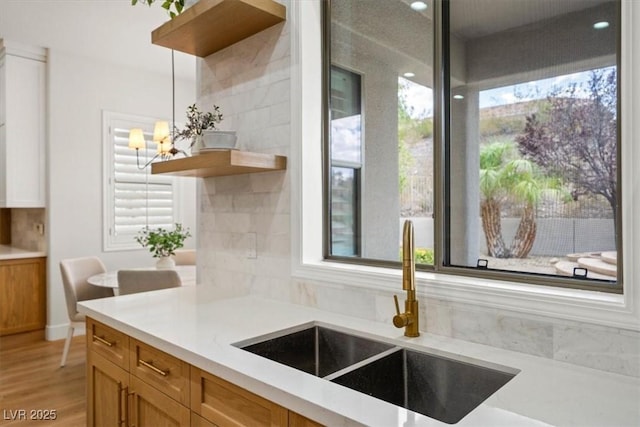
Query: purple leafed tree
{"points": [[576, 137]]}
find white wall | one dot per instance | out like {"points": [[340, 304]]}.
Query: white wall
{"points": [[78, 90], [100, 58]]}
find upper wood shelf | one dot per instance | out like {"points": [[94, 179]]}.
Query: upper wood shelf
{"points": [[220, 163], [211, 25]]}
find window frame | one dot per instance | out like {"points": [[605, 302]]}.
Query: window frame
{"points": [[331, 163], [442, 242], [441, 179], [308, 264], [110, 242]]}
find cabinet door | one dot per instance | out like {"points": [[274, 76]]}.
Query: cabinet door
{"points": [[225, 404], [297, 420], [24, 133], [107, 387], [151, 407], [22, 295]]}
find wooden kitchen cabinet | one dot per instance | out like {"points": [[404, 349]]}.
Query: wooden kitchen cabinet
{"points": [[198, 421], [166, 373], [22, 125], [297, 420], [226, 404], [134, 384], [22, 295], [115, 392], [107, 397], [150, 407]]}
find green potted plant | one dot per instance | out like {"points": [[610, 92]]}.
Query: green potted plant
{"points": [[162, 243], [178, 6], [200, 128]]}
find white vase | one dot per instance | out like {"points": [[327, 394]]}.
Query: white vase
{"points": [[165, 263], [196, 145], [219, 139]]}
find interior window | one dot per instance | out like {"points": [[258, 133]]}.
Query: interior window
{"points": [[513, 174], [134, 198]]}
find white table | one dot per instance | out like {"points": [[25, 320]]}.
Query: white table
{"points": [[109, 279]]}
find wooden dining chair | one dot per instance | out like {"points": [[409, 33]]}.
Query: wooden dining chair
{"points": [[134, 281], [75, 272]]}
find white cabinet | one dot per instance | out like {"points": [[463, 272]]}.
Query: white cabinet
{"points": [[22, 125]]}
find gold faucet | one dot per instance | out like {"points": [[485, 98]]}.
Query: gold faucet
{"points": [[409, 319]]}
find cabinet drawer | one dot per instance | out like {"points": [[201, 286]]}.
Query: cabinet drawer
{"points": [[198, 421], [161, 370], [226, 404], [111, 344]]}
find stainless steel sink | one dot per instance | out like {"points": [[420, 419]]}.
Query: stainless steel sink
{"points": [[316, 350], [439, 387]]}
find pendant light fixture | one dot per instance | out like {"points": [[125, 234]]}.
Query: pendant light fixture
{"points": [[162, 136]]}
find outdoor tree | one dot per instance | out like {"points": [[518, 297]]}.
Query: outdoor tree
{"points": [[576, 137], [507, 178]]}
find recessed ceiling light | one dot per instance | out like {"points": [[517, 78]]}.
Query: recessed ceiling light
{"points": [[601, 25], [418, 5], [409, 74], [458, 97]]}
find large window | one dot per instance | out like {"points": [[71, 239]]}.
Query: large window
{"points": [[134, 198], [513, 173]]}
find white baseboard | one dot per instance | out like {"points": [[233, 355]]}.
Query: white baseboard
{"points": [[59, 332]]}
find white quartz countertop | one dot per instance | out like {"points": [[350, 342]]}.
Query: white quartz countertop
{"points": [[10, 252], [192, 324]]}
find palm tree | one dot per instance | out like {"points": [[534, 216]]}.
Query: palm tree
{"points": [[505, 177]]}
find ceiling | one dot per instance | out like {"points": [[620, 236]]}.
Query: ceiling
{"points": [[104, 30], [114, 31], [477, 18]]}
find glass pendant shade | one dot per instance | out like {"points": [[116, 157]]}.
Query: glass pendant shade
{"points": [[136, 138], [161, 132]]}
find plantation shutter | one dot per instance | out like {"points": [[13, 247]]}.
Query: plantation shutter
{"points": [[138, 198]]}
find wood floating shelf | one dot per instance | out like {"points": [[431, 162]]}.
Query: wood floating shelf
{"points": [[211, 25], [221, 163]]}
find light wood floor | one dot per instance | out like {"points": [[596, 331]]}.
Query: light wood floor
{"points": [[31, 379]]}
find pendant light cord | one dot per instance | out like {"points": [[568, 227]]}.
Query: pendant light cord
{"points": [[173, 100]]}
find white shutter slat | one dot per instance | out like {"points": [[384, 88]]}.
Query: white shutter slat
{"points": [[139, 198]]}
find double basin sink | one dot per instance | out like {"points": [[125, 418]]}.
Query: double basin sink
{"points": [[439, 385]]}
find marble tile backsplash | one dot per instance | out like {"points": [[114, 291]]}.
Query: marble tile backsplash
{"points": [[598, 347], [251, 82], [23, 232]]}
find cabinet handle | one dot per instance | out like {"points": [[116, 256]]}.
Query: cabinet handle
{"points": [[128, 396], [103, 341], [121, 419], [153, 368]]}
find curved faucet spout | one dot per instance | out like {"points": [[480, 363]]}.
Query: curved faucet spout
{"points": [[408, 257], [408, 319]]}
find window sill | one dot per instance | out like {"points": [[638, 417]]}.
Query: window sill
{"points": [[566, 304]]}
